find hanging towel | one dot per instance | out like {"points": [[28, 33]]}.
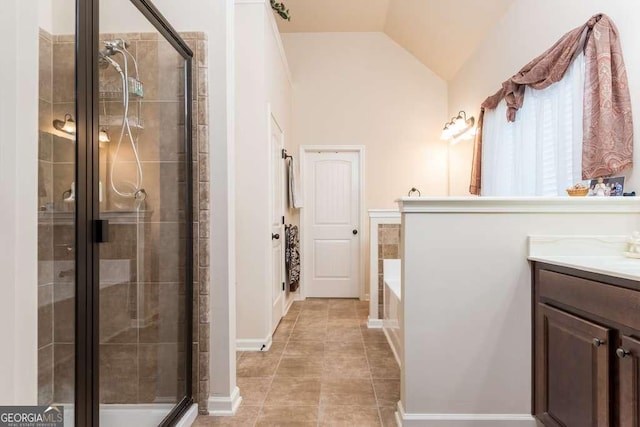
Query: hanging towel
{"points": [[295, 201], [292, 257]]}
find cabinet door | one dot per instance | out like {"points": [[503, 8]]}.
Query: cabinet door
{"points": [[572, 370], [629, 382]]}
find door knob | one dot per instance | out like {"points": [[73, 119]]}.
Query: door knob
{"points": [[622, 353], [355, 232], [597, 342], [275, 236]]}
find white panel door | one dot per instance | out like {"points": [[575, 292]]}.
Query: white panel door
{"points": [[277, 226], [332, 224]]}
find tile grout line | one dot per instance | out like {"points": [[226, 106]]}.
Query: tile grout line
{"points": [[324, 357], [375, 395], [273, 377]]}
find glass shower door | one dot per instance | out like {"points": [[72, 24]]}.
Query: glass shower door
{"points": [[145, 213]]}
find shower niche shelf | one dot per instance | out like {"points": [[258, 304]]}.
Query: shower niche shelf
{"points": [[112, 91], [116, 95]]}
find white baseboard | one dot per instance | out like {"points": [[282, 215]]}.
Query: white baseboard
{"points": [[225, 406], [263, 344], [374, 323], [189, 417], [463, 420]]}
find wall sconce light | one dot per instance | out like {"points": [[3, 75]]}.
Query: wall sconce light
{"points": [[67, 125], [458, 128], [104, 136]]}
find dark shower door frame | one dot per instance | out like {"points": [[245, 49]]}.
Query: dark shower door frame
{"points": [[87, 368]]}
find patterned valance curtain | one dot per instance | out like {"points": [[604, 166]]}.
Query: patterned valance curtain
{"points": [[608, 123]]}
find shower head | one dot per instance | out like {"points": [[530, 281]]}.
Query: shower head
{"points": [[116, 44], [113, 47]]}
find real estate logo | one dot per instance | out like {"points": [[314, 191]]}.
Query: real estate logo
{"points": [[31, 416]]}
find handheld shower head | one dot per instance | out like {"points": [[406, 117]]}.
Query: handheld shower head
{"points": [[105, 58]]}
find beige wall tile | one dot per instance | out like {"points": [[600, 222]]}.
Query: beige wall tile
{"points": [[45, 375]]}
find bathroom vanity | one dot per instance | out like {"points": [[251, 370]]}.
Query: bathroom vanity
{"points": [[586, 341]]}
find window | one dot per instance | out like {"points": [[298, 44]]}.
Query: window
{"points": [[540, 154]]}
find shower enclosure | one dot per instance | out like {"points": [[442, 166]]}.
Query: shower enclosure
{"points": [[116, 223]]}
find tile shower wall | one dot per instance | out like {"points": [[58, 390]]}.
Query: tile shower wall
{"points": [[129, 348], [388, 248]]}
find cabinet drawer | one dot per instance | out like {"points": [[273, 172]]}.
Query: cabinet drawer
{"points": [[617, 304]]}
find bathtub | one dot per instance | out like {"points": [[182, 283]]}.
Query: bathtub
{"points": [[392, 305]]}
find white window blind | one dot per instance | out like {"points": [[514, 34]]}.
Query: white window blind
{"points": [[540, 154]]}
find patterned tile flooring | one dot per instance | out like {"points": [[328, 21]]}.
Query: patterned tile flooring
{"points": [[325, 368]]}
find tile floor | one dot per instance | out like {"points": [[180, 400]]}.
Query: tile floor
{"points": [[325, 368]]}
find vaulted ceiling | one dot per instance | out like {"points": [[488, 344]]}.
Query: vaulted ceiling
{"points": [[442, 34]]}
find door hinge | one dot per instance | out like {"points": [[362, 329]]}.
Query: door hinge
{"points": [[282, 286], [282, 219]]}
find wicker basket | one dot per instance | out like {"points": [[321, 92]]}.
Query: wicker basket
{"points": [[577, 192]]}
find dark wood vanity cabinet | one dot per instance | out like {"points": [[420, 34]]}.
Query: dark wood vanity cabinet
{"points": [[586, 349], [629, 382]]}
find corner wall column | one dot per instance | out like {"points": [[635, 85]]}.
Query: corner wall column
{"points": [[224, 397]]}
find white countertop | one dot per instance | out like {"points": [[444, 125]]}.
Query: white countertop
{"points": [[431, 205], [615, 266], [595, 254]]}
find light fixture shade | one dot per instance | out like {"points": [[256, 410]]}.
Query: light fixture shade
{"points": [[459, 124], [459, 128], [446, 133], [104, 136], [69, 126], [66, 126]]}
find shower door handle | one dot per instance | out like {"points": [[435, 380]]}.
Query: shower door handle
{"points": [[102, 230]]}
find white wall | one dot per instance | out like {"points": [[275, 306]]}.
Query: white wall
{"points": [[279, 90], [18, 192], [528, 29], [261, 81], [45, 15], [364, 89], [252, 171], [467, 304]]}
